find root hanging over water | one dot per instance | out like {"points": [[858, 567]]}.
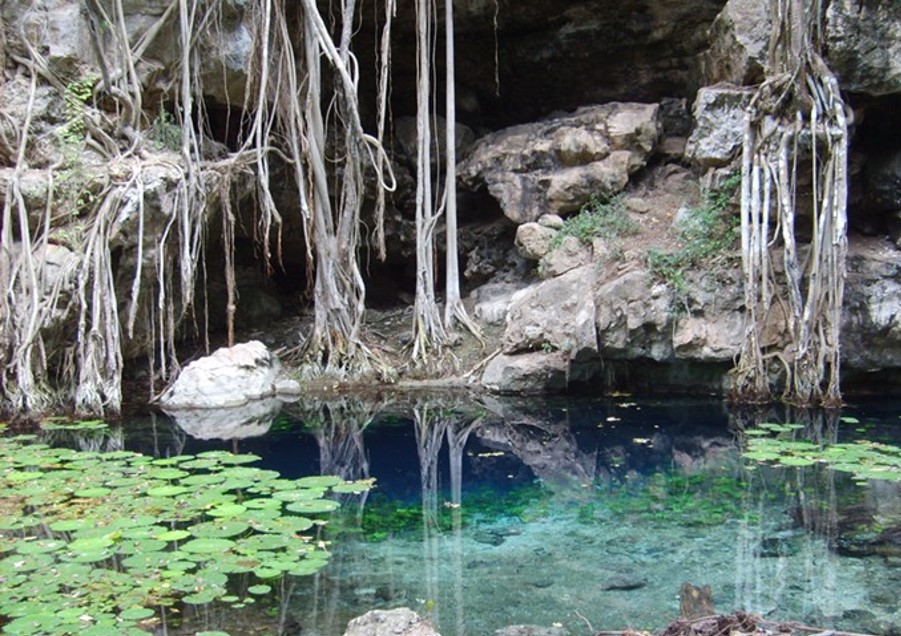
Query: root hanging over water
{"points": [[797, 117]]}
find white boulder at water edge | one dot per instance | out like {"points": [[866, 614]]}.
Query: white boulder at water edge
{"points": [[230, 377]]}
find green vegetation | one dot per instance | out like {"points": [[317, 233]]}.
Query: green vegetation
{"points": [[777, 444], [687, 500], [76, 96], [101, 543], [165, 133], [384, 517], [709, 234], [599, 218]]}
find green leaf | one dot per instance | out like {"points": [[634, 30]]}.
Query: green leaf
{"points": [[313, 507], [208, 546]]}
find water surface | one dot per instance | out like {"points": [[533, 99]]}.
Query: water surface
{"points": [[589, 514]]}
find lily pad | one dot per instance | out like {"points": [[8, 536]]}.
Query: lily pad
{"points": [[313, 507], [208, 545]]}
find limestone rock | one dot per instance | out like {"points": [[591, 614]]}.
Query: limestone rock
{"points": [[396, 622], [871, 330], [556, 314], [553, 221], [634, 318], [557, 165], [709, 338], [863, 40], [571, 253], [492, 301], [528, 373], [231, 376], [719, 121], [739, 38], [533, 240]]}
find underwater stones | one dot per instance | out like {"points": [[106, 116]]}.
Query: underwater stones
{"points": [[530, 630], [230, 377], [695, 601], [624, 582], [395, 622]]}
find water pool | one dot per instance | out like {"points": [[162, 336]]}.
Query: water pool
{"points": [[587, 514]]}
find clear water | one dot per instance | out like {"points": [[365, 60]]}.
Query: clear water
{"points": [[585, 514]]}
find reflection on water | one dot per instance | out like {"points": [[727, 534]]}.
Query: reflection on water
{"points": [[588, 514]]}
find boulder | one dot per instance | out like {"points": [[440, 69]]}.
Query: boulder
{"points": [[492, 301], [528, 373], [556, 166], [554, 315], [739, 38], [230, 377], [634, 317], [863, 40], [570, 254], [716, 139], [396, 622], [533, 240]]}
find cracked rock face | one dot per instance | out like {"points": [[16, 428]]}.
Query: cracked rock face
{"points": [[557, 166]]}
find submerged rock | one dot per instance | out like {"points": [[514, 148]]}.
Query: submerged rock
{"points": [[530, 630], [396, 622]]}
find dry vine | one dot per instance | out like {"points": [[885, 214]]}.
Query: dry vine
{"points": [[797, 112]]}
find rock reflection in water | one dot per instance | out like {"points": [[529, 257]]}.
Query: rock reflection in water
{"points": [[562, 512]]}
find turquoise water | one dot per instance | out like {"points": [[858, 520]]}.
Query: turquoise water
{"points": [[585, 514]]}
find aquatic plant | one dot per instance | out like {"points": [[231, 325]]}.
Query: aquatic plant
{"points": [[102, 543], [385, 516], [778, 444], [687, 500]]}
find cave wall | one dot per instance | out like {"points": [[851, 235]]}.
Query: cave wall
{"points": [[519, 61]]}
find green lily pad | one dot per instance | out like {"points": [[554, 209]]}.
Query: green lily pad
{"points": [[319, 481], [173, 535], [313, 507], [136, 614], [208, 545], [227, 510], [219, 529], [169, 490]]}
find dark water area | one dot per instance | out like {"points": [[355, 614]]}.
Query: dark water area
{"points": [[587, 514]]}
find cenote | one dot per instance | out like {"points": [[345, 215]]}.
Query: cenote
{"points": [[484, 513]]}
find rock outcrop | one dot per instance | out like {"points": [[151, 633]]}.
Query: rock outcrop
{"points": [[230, 377], [556, 166]]}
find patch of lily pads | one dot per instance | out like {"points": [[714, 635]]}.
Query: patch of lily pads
{"points": [[779, 444], [99, 543]]}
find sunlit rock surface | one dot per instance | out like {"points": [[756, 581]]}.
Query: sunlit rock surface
{"points": [[230, 377]]}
